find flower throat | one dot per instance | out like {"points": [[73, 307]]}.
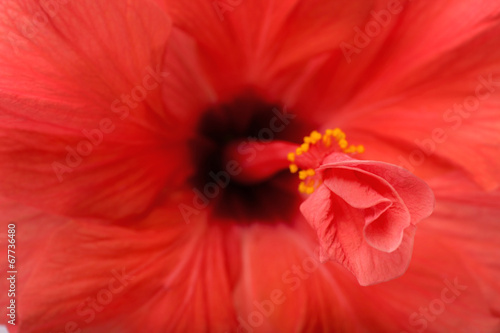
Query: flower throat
{"points": [[240, 159]]}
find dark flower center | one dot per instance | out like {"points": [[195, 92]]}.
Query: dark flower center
{"points": [[242, 125]]}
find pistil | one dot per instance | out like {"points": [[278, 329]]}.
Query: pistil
{"points": [[257, 161]]}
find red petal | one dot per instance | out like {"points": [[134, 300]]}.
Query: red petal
{"points": [[430, 115], [283, 281], [467, 218], [61, 89], [415, 193], [263, 37], [385, 215], [173, 277], [364, 213], [340, 228]]}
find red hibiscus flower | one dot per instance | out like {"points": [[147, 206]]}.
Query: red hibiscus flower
{"points": [[146, 155]]}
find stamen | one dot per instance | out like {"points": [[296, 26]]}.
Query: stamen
{"points": [[312, 152]]}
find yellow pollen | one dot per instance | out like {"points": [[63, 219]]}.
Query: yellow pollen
{"points": [[339, 134], [323, 143], [343, 143], [327, 140], [315, 136], [310, 182], [349, 150], [305, 147]]}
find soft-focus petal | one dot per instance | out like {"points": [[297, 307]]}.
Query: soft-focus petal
{"points": [[275, 47], [467, 218], [67, 127], [286, 288], [112, 279], [432, 99]]}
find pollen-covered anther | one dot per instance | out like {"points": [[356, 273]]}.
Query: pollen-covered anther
{"points": [[305, 147], [303, 174], [315, 137], [308, 186], [311, 153]]}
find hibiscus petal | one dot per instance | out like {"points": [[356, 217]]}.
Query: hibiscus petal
{"points": [[339, 229], [319, 214], [66, 134], [438, 293], [385, 216], [414, 192], [467, 218], [453, 276], [172, 277], [435, 116], [286, 288], [263, 38]]}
